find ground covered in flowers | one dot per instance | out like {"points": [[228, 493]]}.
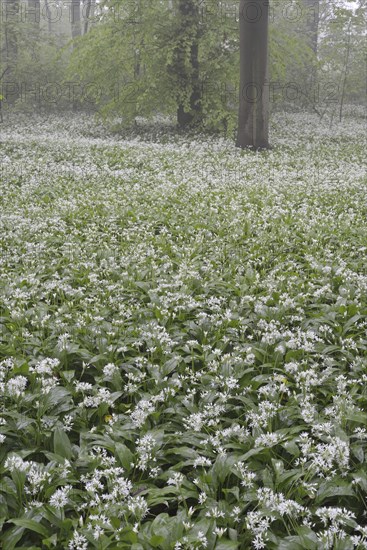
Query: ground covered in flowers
{"points": [[183, 338]]}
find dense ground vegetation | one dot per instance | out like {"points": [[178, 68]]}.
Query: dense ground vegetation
{"points": [[183, 338]]}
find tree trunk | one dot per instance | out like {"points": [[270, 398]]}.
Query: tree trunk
{"points": [[75, 19], [310, 28], [253, 115], [346, 68], [312, 17], [86, 15], [49, 17], [34, 13], [1, 97], [11, 20], [189, 78]]}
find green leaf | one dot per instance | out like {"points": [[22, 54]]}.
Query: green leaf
{"points": [[297, 543], [361, 479], [333, 488], [170, 365], [357, 416], [62, 445], [291, 447], [125, 456], [222, 467], [352, 321], [12, 537], [358, 452], [31, 525], [156, 540], [226, 544], [51, 542], [68, 375]]}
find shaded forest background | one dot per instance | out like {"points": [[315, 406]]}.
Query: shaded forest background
{"points": [[177, 58]]}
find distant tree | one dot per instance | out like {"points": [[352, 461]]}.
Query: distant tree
{"points": [[186, 63], [11, 18], [253, 116], [342, 54], [309, 38], [76, 29], [312, 17], [1, 96], [87, 14], [48, 15], [34, 13], [9, 50]]}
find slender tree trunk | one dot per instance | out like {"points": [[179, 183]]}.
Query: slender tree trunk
{"points": [[137, 45], [34, 13], [310, 27], [346, 68], [137, 60], [49, 17], [1, 97], [75, 19], [86, 15], [11, 20], [189, 78], [312, 18], [253, 115]]}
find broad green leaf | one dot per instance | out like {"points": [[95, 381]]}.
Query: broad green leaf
{"points": [[124, 455], [31, 525], [62, 445], [226, 544], [157, 540]]}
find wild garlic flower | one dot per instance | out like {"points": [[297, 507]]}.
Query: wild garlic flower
{"points": [[138, 506], [60, 497], [15, 387], [176, 479], [14, 462], [144, 448], [78, 542], [110, 369], [45, 367], [202, 539]]}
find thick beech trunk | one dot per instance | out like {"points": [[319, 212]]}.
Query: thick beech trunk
{"points": [[253, 115]]}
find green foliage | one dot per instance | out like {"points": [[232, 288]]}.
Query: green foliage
{"points": [[139, 58]]}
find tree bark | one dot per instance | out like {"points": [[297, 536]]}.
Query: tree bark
{"points": [[310, 29], [86, 15], [11, 20], [34, 13], [75, 19], [189, 16], [1, 97], [49, 17], [253, 115], [346, 68], [312, 18]]}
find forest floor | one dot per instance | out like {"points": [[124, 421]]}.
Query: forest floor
{"points": [[183, 343]]}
